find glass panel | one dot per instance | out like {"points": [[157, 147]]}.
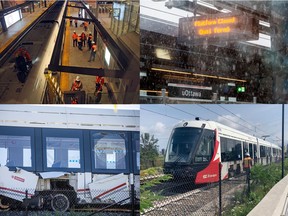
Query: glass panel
{"points": [[109, 150], [182, 142], [230, 149], [63, 152], [15, 151], [205, 150]]}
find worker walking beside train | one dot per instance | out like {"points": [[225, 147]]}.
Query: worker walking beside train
{"points": [[247, 164]]}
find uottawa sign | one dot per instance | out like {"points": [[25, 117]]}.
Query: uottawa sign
{"points": [[189, 91], [217, 28]]}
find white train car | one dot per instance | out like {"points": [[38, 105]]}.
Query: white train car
{"points": [[60, 156], [196, 148], [39, 42]]}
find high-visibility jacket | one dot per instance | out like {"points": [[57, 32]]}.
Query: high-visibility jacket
{"points": [[94, 47], [247, 162], [76, 86], [24, 53], [83, 36], [74, 36]]}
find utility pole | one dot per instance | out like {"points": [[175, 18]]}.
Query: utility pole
{"points": [[282, 140]]}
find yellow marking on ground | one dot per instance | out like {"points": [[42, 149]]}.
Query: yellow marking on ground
{"points": [[64, 79]]}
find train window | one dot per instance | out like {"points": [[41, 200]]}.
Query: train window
{"points": [[255, 151], [206, 147], [15, 151], [262, 151], [183, 141], [63, 152], [110, 151], [230, 149], [274, 152], [245, 148]]}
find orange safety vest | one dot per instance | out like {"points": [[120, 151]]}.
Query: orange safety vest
{"points": [[85, 24], [94, 47], [247, 162], [83, 36], [77, 86], [74, 36]]}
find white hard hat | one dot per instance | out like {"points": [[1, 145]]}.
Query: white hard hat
{"points": [[247, 154], [77, 78], [93, 42]]}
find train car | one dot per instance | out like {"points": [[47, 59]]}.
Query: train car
{"points": [[56, 157], [196, 148], [39, 42]]}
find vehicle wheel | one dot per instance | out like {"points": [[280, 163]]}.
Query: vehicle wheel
{"points": [[60, 203], [4, 206]]}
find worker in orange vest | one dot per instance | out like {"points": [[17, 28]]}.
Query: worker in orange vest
{"points": [[93, 52], [77, 85], [83, 38], [85, 26], [75, 38]]}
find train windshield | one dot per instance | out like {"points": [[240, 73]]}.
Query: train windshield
{"points": [[182, 142]]}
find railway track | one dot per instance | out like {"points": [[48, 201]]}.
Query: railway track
{"points": [[186, 199]]}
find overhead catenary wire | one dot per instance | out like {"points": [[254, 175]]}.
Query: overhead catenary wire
{"points": [[256, 128], [160, 114]]}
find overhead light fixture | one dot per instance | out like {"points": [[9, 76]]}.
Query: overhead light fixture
{"points": [[162, 53], [195, 74]]}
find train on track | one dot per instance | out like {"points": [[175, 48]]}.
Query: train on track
{"points": [[37, 41], [54, 157], [196, 148]]}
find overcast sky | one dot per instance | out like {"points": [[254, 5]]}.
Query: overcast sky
{"points": [[255, 119]]}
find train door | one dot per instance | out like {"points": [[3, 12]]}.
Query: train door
{"points": [[255, 153]]}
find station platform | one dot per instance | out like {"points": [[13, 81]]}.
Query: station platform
{"points": [[73, 56], [275, 203], [7, 37], [50, 78]]}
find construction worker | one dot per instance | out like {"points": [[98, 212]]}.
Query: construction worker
{"points": [[75, 38], [80, 42], [85, 26], [89, 41], [247, 164], [83, 38], [98, 88], [93, 52], [77, 85], [75, 22], [24, 54]]}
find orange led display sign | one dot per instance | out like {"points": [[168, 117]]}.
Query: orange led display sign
{"points": [[211, 29]]}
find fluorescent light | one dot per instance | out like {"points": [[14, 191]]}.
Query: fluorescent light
{"points": [[163, 53], [195, 74]]}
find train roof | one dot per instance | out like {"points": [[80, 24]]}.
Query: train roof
{"points": [[98, 117], [226, 131]]}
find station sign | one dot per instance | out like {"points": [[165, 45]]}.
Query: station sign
{"points": [[218, 28], [189, 91]]}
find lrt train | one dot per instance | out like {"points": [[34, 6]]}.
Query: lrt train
{"points": [[39, 42], [196, 148], [55, 157]]}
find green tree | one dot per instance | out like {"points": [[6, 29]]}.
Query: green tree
{"points": [[149, 150]]}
